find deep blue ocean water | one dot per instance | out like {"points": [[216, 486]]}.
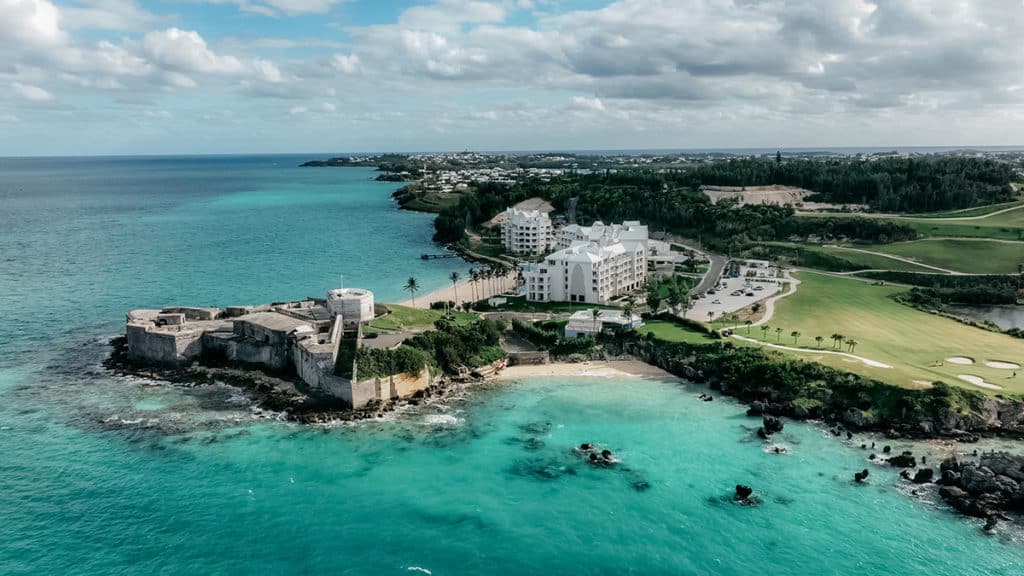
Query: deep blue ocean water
{"points": [[110, 475]]}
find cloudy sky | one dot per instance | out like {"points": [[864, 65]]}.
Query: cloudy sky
{"points": [[234, 76]]}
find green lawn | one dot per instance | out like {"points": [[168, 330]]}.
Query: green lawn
{"points": [[858, 260], [910, 341], [968, 256], [671, 332], [406, 318], [977, 211], [1006, 226]]}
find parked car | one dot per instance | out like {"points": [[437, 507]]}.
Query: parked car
{"points": [[758, 288], [750, 293]]}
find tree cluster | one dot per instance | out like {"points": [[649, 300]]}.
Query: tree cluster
{"points": [[916, 184]]}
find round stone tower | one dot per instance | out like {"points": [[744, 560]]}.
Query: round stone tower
{"points": [[354, 304]]}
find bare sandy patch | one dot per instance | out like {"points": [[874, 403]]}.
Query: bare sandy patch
{"points": [[923, 383], [1002, 365], [978, 381], [528, 204], [601, 369], [963, 360]]}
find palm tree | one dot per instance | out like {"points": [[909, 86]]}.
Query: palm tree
{"points": [[748, 323], [412, 287], [851, 343], [711, 315], [454, 277], [764, 330], [628, 308], [795, 335], [819, 339], [778, 334], [597, 316], [473, 276], [837, 338]]}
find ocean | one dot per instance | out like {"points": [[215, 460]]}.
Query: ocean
{"points": [[101, 474]]}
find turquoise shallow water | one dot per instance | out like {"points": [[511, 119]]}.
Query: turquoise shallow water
{"points": [[105, 475]]}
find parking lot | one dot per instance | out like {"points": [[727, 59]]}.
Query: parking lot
{"points": [[732, 294]]}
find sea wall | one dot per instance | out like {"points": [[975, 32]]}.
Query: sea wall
{"points": [[171, 348]]}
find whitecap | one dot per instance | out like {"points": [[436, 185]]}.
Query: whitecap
{"points": [[418, 569], [442, 420]]}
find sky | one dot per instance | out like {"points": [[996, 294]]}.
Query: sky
{"points": [[83, 77]]}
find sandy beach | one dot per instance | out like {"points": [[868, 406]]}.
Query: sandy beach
{"points": [[465, 291], [594, 369]]}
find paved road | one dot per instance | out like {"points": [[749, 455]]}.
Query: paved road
{"points": [[900, 258], [714, 269]]}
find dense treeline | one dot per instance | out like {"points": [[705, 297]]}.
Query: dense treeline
{"points": [[451, 346], [663, 202], [932, 290], [919, 184]]}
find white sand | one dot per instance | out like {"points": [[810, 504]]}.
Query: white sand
{"points": [[960, 360], [465, 291], [597, 369], [1002, 365], [978, 381]]}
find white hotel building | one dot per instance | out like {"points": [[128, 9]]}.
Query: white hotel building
{"points": [[526, 231], [590, 270], [628, 231]]}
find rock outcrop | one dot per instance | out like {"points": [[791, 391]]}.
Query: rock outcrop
{"points": [[989, 487]]}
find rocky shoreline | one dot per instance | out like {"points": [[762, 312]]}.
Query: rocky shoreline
{"points": [[281, 394]]}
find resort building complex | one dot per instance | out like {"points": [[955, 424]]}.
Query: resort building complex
{"points": [[527, 231], [629, 231], [589, 271]]}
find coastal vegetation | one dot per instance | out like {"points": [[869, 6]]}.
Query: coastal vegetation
{"points": [[451, 346], [776, 383]]}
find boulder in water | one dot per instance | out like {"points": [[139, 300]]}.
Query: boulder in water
{"points": [[743, 492], [923, 476]]}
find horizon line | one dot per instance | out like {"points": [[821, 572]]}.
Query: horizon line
{"points": [[584, 151]]}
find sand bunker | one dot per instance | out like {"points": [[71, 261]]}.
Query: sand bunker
{"points": [[960, 360], [923, 383], [1002, 365], [978, 381]]}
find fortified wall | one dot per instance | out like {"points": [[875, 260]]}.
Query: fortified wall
{"points": [[301, 338]]}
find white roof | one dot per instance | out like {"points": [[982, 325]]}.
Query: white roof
{"points": [[588, 252]]}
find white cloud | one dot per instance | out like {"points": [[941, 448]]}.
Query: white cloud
{"points": [[108, 15], [328, 107], [34, 22], [449, 14], [31, 92], [345, 63], [583, 103], [298, 110], [186, 51]]}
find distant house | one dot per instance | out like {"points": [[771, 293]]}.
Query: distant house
{"points": [[582, 324]]}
